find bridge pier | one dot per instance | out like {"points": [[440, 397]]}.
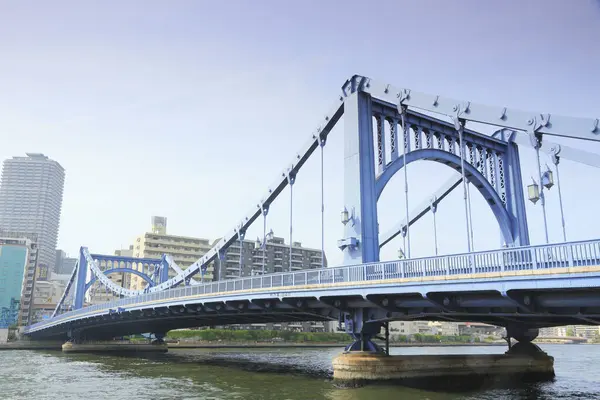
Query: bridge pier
{"points": [[364, 361]]}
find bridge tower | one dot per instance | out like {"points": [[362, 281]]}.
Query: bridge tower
{"points": [[371, 123]]}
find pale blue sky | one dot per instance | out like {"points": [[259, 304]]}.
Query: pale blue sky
{"points": [[189, 109]]}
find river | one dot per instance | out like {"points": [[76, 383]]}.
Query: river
{"points": [[277, 374]]}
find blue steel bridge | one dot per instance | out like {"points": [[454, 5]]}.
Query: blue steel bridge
{"points": [[520, 286]]}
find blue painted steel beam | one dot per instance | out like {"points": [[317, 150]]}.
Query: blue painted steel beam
{"points": [[152, 261], [543, 123], [124, 270], [360, 243], [471, 173]]}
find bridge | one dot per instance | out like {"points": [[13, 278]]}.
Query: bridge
{"points": [[521, 286]]}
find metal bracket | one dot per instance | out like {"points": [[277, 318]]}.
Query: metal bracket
{"points": [[554, 153], [350, 242]]}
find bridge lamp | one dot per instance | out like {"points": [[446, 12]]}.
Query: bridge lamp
{"points": [[400, 254], [547, 178], [347, 217], [533, 192]]}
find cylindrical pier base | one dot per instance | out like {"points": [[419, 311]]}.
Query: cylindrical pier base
{"points": [[356, 368], [113, 347]]}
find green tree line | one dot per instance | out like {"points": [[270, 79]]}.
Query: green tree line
{"points": [[231, 335]]}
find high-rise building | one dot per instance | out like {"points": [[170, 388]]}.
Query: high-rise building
{"points": [[275, 257], [18, 258], [31, 194], [64, 264], [185, 250]]}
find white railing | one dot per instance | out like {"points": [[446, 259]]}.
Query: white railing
{"points": [[562, 255]]}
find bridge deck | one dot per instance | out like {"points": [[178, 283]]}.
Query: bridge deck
{"points": [[546, 285]]}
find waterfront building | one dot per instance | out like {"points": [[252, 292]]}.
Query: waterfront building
{"points": [[18, 260], [64, 264], [272, 258], [46, 296], [275, 257], [587, 331], [554, 331], [31, 193], [185, 250]]}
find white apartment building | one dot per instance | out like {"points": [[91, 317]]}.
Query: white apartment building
{"points": [[31, 193], [185, 250]]}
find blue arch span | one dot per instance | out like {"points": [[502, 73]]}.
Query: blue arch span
{"points": [[471, 173], [126, 270]]}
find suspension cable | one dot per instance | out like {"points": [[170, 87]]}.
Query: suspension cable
{"points": [[322, 143], [460, 128], [406, 141], [470, 215]]}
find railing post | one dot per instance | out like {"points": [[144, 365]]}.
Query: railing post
{"points": [[293, 279], [570, 260], [534, 262], [319, 277], [402, 263], [306, 278], [472, 262]]}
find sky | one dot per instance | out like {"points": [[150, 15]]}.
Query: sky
{"points": [[190, 109]]}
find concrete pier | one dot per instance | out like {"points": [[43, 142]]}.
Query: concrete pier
{"points": [[114, 347], [357, 368]]}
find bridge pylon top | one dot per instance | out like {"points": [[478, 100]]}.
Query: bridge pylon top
{"points": [[527, 121]]}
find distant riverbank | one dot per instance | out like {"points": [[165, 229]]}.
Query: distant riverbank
{"points": [[238, 345]]}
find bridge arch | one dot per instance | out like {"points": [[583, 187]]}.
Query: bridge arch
{"points": [[120, 269], [471, 174]]}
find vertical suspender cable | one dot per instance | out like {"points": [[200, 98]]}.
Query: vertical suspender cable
{"points": [[542, 196], [459, 126], [470, 215], [405, 141], [264, 240], [291, 219], [556, 159], [241, 255], [322, 143]]}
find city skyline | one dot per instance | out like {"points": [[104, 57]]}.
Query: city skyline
{"points": [[138, 143]]}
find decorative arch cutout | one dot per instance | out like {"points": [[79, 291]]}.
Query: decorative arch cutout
{"points": [[125, 270], [471, 174]]}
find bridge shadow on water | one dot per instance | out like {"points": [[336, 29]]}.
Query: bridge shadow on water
{"points": [[294, 365]]}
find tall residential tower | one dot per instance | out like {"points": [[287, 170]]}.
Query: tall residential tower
{"points": [[31, 195]]}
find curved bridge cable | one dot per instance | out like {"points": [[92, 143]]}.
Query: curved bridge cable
{"points": [[273, 191], [106, 281], [578, 128], [66, 291]]}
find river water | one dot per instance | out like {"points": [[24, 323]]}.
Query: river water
{"points": [[278, 374]]}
